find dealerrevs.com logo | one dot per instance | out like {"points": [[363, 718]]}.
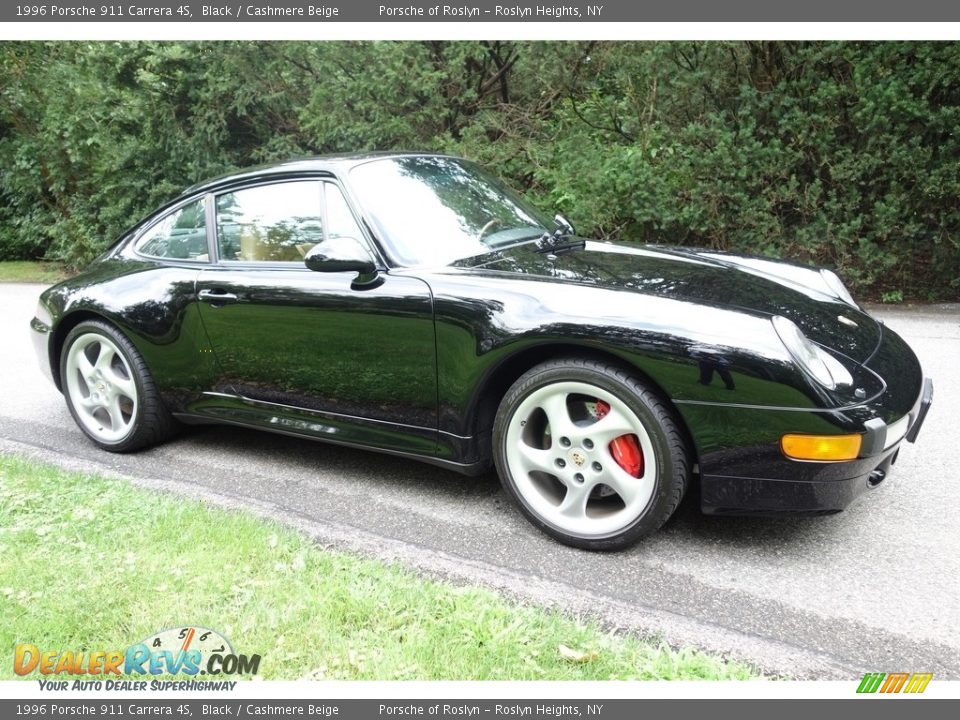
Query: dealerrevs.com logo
{"points": [[191, 651], [899, 682]]}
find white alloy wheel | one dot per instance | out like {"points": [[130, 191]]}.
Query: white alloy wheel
{"points": [[560, 450], [591, 454], [101, 387]]}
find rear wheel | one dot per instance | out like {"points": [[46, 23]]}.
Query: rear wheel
{"points": [[590, 455], [110, 391]]}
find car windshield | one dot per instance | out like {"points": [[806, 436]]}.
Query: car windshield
{"points": [[434, 210]]}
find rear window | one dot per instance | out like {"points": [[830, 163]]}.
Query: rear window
{"points": [[179, 235]]}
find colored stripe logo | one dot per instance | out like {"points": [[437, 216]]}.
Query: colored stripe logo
{"points": [[895, 682]]}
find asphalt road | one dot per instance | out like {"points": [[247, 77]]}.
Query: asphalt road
{"points": [[876, 588]]}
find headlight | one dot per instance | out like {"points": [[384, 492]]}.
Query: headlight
{"points": [[837, 287], [815, 361]]}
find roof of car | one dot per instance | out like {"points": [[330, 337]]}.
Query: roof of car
{"points": [[318, 163]]}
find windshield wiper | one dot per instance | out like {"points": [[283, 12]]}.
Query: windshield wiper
{"points": [[560, 240], [512, 237]]}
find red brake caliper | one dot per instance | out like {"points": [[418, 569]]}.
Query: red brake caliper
{"points": [[624, 449]]}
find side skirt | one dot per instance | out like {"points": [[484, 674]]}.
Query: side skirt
{"points": [[416, 443]]}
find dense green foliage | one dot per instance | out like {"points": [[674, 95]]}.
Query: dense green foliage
{"points": [[843, 154]]}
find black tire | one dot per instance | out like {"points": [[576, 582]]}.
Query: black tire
{"points": [[666, 440], [149, 423]]}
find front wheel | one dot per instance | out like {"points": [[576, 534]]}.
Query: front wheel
{"points": [[589, 454], [110, 391]]}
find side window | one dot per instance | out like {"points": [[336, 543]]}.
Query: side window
{"points": [[270, 223], [181, 235], [340, 221]]}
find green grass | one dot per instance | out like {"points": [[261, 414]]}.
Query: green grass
{"points": [[31, 271], [88, 563]]}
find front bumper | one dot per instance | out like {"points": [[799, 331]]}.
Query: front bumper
{"points": [[823, 488], [40, 334]]}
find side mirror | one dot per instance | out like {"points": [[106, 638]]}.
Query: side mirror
{"points": [[340, 254], [561, 221]]}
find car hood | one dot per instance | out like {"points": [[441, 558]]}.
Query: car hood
{"points": [[754, 285]]}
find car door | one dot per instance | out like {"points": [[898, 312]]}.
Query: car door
{"points": [[309, 352]]}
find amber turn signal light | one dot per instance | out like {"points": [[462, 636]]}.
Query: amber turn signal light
{"points": [[821, 447]]}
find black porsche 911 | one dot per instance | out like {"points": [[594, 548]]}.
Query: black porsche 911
{"points": [[413, 305]]}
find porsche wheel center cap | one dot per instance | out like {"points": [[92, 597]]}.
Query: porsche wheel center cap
{"points": [[577, 457]]}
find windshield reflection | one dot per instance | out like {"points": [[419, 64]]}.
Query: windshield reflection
{"points": [[434, 210]]}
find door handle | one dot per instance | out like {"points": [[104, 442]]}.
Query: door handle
{"points": [[216, 296]]}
